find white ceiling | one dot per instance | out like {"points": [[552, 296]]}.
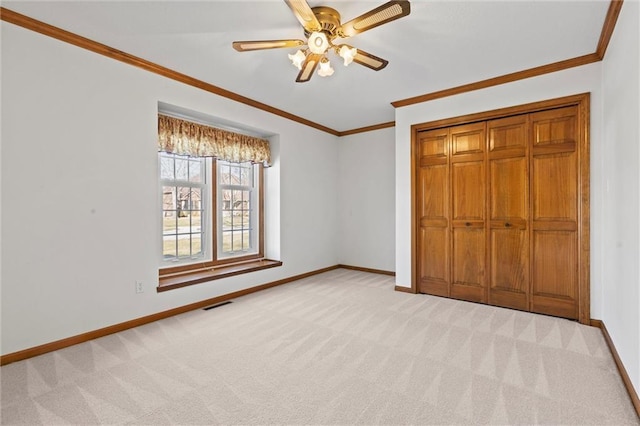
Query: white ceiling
{"points": [[441, 44]]}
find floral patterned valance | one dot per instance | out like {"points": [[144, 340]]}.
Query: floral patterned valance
{"points": [[186, 138]]}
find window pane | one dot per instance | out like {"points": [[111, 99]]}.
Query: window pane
{"points": [[226, 220], [235, 175], [168, 198], [184, 245], [196, 244], [246, 240], [226, 241], [195, 200], [224, 173], [246, 177], [169, 223], [237, 241], [195, 171], [169, 247], [166, 167], [246, 195], [182, 200], [236, 200], [245, 220], [182, 168], [226, 199]]}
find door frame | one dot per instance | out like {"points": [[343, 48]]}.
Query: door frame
{"points": [[582, 102]]}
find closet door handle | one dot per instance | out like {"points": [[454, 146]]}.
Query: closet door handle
{"points": [[467, 224], [507, 225]]}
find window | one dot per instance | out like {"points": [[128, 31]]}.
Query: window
{"points": [[185, 190], [237, 212], [211, 212], [211, 202]]}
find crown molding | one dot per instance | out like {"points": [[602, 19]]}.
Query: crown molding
{"points": [[608, 27], [367, 128], [598, 55], [495, 81]]}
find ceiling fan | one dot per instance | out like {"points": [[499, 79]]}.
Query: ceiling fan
{"points": [[321, 28]]}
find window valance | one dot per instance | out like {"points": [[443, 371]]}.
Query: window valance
{"points": [[186, 138]]}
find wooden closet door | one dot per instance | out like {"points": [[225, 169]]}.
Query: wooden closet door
{"points": [[432, 199], [468, 189], [508, 212], [554, 197]]}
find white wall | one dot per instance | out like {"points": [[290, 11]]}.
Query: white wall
{"points": [[79, 191], [621, 195], [366, 205]]}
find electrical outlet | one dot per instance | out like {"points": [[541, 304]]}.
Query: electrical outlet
{"points": [[139, 288]]}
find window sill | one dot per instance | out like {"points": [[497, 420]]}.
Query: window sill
{"points": [[183, 279]]}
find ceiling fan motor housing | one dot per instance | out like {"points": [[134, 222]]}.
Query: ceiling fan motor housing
{"points": [[329, 19]]}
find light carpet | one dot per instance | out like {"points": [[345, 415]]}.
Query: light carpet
{"points": [[337, 348]]}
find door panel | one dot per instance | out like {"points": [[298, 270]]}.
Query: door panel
{"points": [[509, 282], [433, 144], [467, 267], [555, 270], [509, 213], [434, 261], [507, 134], [467, 139], [468, 190], [554, 267], [433, 212], [554, 198], [555, 186], [468, 212], [555, 126], [509, 188], [433, 191]]}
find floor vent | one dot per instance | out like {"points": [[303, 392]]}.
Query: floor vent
{"points": [[216, 306]]}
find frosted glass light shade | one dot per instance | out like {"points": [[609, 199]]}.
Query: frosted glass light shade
{"points": [[347, 54], [325, 68], [297, 59], [318, 42]]}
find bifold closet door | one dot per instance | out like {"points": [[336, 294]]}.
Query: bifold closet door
{"points": [[432, 239], [468, 212], [509, 212], [501, 207], [554, 198]]}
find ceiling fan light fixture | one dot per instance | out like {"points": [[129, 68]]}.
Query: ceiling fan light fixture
{"points": [[298, 59], [325, 68], [318, 42], [322, 26], [347, 53]]}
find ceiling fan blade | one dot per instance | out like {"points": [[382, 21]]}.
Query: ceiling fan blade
{"points": [[388, 12], [246, 46], [308, 67], [369, 60], [305, 15]]}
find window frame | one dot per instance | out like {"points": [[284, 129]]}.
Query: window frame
{"points": [[255, 221], [214, 263], [204, 186]]}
